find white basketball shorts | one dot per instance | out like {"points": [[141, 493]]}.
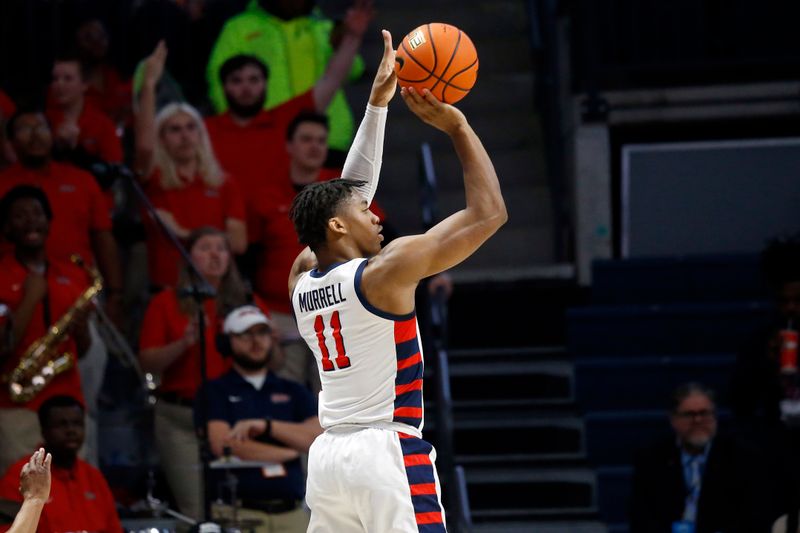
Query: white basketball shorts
{"points": [[363, 479]]}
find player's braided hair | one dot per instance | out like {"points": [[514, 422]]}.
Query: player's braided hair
{"points": [[315, 205], [780, 260]]}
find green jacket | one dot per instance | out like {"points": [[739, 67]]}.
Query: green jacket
{"points": [[296, 52]]}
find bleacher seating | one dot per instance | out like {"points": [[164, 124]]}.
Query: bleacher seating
{"points": [[653, 324]]}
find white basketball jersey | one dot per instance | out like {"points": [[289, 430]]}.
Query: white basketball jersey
{"points": [[370, 362]]}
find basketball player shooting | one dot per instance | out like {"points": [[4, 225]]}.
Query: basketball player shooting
{"points": [[354, 304]]}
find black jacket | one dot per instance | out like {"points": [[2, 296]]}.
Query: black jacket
{"points": [[732, 497]]}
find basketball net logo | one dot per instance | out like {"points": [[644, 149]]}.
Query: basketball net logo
{"points": [[416, 39]]}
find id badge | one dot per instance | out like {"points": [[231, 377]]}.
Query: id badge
{"points": [[682, 526]]}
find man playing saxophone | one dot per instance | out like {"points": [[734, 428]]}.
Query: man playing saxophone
{"points": [[39, 292]]}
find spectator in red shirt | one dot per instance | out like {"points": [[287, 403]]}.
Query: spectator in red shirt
{"points": [[82, 224], [168, 347], [83, 133], [248, 139], [182, 176], [38, 290], [106, 90], [80, 499]]}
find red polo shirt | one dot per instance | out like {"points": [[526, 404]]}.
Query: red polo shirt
{"points": [[165, 323], [275, 231], [77, 202], [98, 136], [65, 282], [116, 96], [80, 499], [256, 153], [194, 205]]}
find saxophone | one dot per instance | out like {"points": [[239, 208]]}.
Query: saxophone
{"points": [[41, 361]]}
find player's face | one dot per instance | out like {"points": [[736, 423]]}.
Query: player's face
{"points": [[67, 84], [31, 136], [695, 420], [64, 430], [363, 226], [309, 146], [180, 137], [251, 348], [211, 255], [27, 223], [245, 87]]}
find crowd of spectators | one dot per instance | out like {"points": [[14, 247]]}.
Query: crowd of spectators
{"points": [[219, 135]]}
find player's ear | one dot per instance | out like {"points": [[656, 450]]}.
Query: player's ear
{"points": [[336, 226]]}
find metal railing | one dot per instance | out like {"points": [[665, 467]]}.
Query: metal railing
{"points": [[452, 476]]}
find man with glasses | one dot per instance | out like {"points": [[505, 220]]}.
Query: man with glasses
{"points": [[695, 481], [262, 418]]}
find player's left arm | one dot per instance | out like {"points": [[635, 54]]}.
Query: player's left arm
{"points": [[392, 275]]}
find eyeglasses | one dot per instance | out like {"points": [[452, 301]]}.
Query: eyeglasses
{"points": [[702, 414], [252, 335]]}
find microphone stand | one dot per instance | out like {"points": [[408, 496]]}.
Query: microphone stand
{"points": [[199, 290]]}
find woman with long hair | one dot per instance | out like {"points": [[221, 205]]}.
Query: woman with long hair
{"points": [[182, 177], [169, 348]]}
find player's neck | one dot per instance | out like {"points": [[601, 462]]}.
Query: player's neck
{"points": [[328, 256]]}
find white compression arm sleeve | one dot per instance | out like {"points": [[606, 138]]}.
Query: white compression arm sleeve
{"points": [[366, 154]]}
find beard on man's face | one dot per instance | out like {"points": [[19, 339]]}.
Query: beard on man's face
{"points": [[245, 110], [249, 364]]}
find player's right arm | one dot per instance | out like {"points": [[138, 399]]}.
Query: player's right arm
{"points": [[407, 260], [305, 261]]}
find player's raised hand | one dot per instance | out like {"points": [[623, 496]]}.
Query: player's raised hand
{"points": [[431, 111], [385, 83]]}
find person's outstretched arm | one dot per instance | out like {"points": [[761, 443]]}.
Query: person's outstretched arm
{"points": [[34, 481], [356, 21], [144, 123], [391, 276], [366, 153]]}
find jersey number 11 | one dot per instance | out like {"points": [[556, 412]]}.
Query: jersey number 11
{"points": [[342, 361]]}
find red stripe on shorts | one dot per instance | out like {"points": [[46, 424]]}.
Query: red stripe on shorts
{"points": [[416, 460], [429, 518], [402, 389], [421, 489]]}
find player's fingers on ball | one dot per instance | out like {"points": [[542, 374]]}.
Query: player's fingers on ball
{"points": [[429, 98]]}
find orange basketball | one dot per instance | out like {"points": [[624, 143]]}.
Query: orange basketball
{"points": [[439, 57]]}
